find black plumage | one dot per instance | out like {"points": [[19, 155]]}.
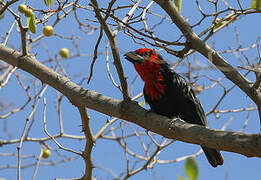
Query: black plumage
{"points": [[172, 95]]}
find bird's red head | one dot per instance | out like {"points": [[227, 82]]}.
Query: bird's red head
{"points": [[148, 64]]}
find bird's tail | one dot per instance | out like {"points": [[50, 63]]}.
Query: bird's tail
{"points": [[214, 157]]}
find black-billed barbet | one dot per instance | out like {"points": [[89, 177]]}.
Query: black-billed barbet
{"points": [[169, 94]]}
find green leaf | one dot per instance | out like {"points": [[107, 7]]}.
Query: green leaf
{"points": [[178, 4], [253, 4], [31, 24], [256, 4], [191, 168], [180, 177], [48, 3]]}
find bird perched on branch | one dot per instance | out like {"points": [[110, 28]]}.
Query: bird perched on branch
{"points": [[169, 94]]}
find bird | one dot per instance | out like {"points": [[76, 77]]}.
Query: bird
{"points": [[169, 94]]}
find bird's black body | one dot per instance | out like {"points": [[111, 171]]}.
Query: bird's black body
{"points": [[176, 100]]}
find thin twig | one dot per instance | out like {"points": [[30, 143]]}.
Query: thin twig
{"points": [[89, 143], [59, 100], [8, 76], [38, 159], [8, 33], [24, 131], [52, 137], [95, 54], [108, 68]]}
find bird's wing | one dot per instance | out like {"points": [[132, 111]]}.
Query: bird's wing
{"points": [[191, 97]]}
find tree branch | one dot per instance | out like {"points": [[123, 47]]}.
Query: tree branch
{"points": [[246, 144], [114, 49], [231, 73], [89, 143]]}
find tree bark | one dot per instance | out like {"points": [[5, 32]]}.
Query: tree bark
{"points": [[245, 144]]}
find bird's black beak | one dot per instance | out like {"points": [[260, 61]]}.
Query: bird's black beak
{"points": [[133, 57]]}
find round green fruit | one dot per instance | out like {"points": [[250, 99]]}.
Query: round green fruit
{"points": [[22, 8], [48, 31], [198, 89], [46, 153], [64, 53]]}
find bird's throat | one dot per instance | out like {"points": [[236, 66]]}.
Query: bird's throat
{"points": [[152, 77], [155, 89]]}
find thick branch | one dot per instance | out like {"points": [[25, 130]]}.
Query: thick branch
{"points": [[8, 3], [246, 144], [200, 46]]}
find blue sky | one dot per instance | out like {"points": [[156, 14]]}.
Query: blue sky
{"points": [[107, 153]]}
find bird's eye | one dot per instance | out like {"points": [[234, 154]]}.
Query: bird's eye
{"points": [[159, 56], [146, 53]]}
